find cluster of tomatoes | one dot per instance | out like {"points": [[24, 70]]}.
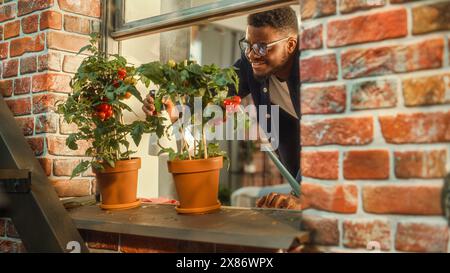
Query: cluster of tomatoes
{"points": [[234, 102], [104, 111], [122, 75]]}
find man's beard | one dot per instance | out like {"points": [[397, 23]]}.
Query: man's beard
{"points": [[274, 70]]}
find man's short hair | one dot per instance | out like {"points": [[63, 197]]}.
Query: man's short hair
{"points": [[283, 19]]}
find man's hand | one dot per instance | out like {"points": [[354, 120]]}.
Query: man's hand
{"points": [[150, 110], [279, 201]]}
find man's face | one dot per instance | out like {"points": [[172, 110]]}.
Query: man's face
{"points": [[277, 56]]}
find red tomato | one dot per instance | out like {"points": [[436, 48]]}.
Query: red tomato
{"points": [[104, 107], [109, 113], [237, 100], [101, 115], [127, 95], [116, 84], [122, 73]]}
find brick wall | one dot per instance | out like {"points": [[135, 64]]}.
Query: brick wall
{"points": [[38, 44], [376, 123]]}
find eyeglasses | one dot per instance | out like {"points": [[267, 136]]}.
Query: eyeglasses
{"points": [[260, 49]]}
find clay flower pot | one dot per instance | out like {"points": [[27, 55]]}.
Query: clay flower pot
{"points": [[197, 184], [118, 186]]}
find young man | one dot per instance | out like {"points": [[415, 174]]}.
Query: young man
{"points": [[269, 71]]}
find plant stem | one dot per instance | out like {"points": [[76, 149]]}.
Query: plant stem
{"points": [[204, 143]]}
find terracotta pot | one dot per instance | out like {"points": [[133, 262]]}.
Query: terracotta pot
{"points": [[118, 186], [197, 184]]}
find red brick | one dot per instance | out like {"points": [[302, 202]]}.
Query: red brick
{"points": [[323, 100], [317, 8], [66, 41], [410, 199], [20, 107], [358, 233], [43, 103], [23, 45], [319, 68], [36, 145], [433, 17], [371, 164], [367, 28], [22, 86], [324, 231], [416, 128], [50, 61], [50, 19], [421, 237], [10, 68], [101, 240], [427, 90], [11, 230], [7, 246], [46, 164], [51, 82], [30, 24], [77, 24], [72, 188], [140, 244], [71, 63], [56, 145], [420, 164], [11, 29], [321, 165], [47, 123], [384, 60], [28, 65], [374, 94], [342, 131], [26, 124], [311, 38], [28, 6], [6, 88], [341, 198], [4, 48], [347, 6], [64, 167], [85, 7], [7, 12]]}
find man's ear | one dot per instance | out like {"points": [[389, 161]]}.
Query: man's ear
{"points": [[292, 44]]}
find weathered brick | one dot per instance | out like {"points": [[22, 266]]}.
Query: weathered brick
{"points": [[392, 59], [22, 86], [64, 167], [367, 28], [421, 237], [4, 49], [11, 230], [28, 6], [46, 164], [26, 124], [416, 128], [66, 41], [50, 20], [347, 6], [36, 145], [56, 145], [72, 188], [43, 103], [23, 45], [140, 244], [427, 90], [319, 68], [8, 246], [101, 240], [8, 12], [342, 131], [30, 24], [20, 107], [49, 61], [374, 94], [65, 128], [311, 37], [358, 233], [77, 24], [47, 123], [71, 63], [6, 88], [369, 164], [321, 165], [324, 230], [10, 68], [28, 65], [11, 29], [410, 199], [323, 100], [433, 17], [84, 7], [51, 82], [420, 164], [341, 198], [2, 227], [317, 8]]}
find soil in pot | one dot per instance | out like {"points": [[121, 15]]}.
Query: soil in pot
{"points": [[118, 185], [197, 184]]}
